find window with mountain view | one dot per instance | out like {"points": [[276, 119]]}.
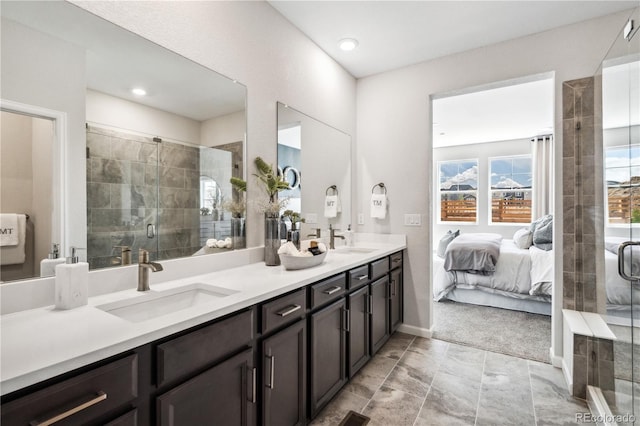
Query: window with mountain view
{"points": [[511, 189], [622, 173], [458, 190]]}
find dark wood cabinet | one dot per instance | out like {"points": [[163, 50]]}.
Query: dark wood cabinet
{"points": [[379, 312], [395, 299], [93, 397], [359, 337], [278, 362], [284, 373], [223, 395], [328, 354]]}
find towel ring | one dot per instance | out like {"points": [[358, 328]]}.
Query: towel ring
{"points": [[333, 188], [379, 185]]}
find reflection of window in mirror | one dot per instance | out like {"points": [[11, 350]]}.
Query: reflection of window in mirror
{"points": [[26, 173], [289, 162], [209, 195], [622, 175]]}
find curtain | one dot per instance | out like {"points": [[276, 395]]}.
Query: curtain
{"points": [[542, 175]]}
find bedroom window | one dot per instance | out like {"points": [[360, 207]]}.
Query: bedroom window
{"points": [[622, 173], [458, 190], [511, 189]]}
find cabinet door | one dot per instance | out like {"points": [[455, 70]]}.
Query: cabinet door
{"points": [[379, 309], [359, 351], [395, 301], [222, 395], [328, 354], [284, 376]]}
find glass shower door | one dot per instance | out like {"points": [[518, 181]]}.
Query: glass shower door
{"points": [[122, 197], [621, 139]]}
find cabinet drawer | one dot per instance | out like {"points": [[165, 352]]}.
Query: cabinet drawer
{"points": [[186, 354], [379, 267], [396, 260], [284, 310], [328, 290], [80, 399], [359, 277], [129, 419]]}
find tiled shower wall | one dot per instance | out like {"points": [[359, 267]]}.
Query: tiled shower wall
{"points": [[582, 228], [582, 198], [132, 182]]}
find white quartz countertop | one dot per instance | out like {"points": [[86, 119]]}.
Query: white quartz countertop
{"points": [[38, 344]]}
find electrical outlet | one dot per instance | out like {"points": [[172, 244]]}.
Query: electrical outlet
{"points": [[412, 219], [360, 218], [311, 218]]}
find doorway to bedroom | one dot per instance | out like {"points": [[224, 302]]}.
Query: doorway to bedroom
{"points": [[492, 216]]}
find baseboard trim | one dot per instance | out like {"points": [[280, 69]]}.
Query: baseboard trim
{"points": [[568, 378], [556, 361], [416, 331]]}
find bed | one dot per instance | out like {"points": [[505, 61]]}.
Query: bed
{"points": [[498, 274], [621, 294]]}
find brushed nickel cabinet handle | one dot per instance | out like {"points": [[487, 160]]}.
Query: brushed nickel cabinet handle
{"points": [[272, 374], [393, 288], [333, 290], [254, 373], [362, 277], [347, 320], [289, 310], [371, 304], [70, 412]]}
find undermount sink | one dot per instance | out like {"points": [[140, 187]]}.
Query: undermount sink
{"points": [[155, 304], [348, 250]]}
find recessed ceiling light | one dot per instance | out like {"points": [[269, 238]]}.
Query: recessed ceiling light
{"points": [[138, 91], [348, 44]]}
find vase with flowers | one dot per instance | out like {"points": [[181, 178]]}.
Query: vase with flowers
{"points": [[237, 208], [271, 207]]}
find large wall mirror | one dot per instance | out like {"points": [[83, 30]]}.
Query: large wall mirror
{"points": [[315, 159], [620, 74], [150, 142]]}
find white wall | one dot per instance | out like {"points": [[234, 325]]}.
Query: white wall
{"points": [[224, 129], [482, 152], [46, 72], [394, 133], [122, 114], [252, 43]]}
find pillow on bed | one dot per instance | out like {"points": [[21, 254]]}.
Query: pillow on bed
{"points": [[444, 242], [542, 230], [523, 238]]}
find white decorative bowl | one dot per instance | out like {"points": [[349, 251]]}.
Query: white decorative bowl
{"points": [[301, 262]]}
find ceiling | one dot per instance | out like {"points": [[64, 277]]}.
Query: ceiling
{"points": [[393, 34], [199, 93]]}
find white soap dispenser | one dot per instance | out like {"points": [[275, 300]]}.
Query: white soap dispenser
{"points": [[48, 266], [72, 283], [348, 237]]}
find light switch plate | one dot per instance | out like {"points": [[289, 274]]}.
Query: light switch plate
{"points": [[412, 219]]}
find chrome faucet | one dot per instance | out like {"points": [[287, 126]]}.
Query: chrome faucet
{"points": [[144, 266], [317, 234], [333, 236]]}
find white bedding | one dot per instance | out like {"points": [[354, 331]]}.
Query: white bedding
{"points": [[619, 290], [513, 275]]}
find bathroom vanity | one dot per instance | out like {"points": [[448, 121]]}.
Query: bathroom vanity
{"points": [[272, 349]]}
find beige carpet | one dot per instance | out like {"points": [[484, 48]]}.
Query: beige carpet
{"points": [[515, 333]]}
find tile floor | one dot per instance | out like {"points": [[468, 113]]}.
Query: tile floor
{"points": [[418, 381]]}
